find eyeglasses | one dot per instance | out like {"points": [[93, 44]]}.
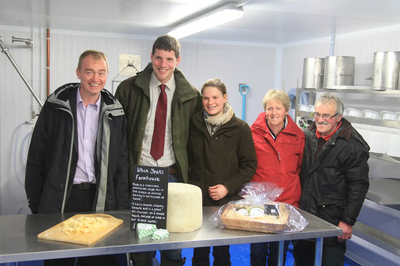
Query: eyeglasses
{"points": [[324, 116]]}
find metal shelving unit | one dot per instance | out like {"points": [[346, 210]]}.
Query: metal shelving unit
{"points": [[358, 120], [312, 93]]}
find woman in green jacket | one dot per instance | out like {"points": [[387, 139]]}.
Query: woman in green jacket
{"points": [[221, 158]]}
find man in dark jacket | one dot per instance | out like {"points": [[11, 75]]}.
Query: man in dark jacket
{"points": [[160, 82], [78, 157], [334, 178]]}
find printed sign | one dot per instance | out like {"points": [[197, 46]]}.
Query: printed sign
{"points": [[149, 196]]}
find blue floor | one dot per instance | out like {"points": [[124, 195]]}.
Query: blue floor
{"points": [[240, 256]]}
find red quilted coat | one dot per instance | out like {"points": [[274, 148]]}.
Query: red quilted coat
{"points": [[279, 160]]}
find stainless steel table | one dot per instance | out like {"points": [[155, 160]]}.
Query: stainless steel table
{"points": [[19, 242], [385, 191]]}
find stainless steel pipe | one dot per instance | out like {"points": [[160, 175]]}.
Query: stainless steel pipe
{"points": [[27, 41], [4, 50]]}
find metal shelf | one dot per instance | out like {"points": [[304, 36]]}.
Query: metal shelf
{"points": [[339, 89], [384, 191], [352, 89], [377, 237], [384, 157], [359, 120]]}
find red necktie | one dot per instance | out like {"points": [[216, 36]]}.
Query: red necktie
{"points": [[160, 121]]}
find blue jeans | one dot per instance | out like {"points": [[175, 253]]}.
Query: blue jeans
{"points": [[174, 179], [260, 251]]}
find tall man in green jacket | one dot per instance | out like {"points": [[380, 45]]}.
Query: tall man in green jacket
{"points": [[140, 97]]}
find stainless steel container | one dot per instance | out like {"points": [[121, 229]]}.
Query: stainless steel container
{"points": [[313, 73], [385, 71], [339, 71]]}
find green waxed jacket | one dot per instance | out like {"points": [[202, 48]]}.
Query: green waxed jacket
{"points": [[134, 95]]}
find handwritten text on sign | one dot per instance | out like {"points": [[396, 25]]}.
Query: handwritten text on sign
{"points": [[149, 196]]}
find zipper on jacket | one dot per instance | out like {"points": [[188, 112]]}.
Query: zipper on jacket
{"points": [[70, 158], [279, 156]]}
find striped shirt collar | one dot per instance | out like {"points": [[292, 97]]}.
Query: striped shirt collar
{"points": [[79, 99], [155, 83]]}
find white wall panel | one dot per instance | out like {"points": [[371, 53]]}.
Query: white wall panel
{"points": [[240, 64], [16, 106], [66, 49]]}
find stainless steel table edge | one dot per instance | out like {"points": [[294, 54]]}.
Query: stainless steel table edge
{"points": [[124, 240]]}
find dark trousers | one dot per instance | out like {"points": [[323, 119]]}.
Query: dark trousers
{"points": [[81, 200], [332, 254], [260, 251], [221, 255]]}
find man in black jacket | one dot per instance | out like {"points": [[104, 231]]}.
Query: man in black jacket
{"points": [[334, 178], [78, 157]]}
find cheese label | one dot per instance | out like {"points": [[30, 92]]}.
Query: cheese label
{"points": [[149, 196]]}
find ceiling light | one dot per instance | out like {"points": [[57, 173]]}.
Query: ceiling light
{"points": [[211, 19]]}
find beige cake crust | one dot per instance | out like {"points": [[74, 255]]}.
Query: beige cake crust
{"points": [[265, 223]]}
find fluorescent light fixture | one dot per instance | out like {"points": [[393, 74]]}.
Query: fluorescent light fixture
{"points": [[211, 19]]}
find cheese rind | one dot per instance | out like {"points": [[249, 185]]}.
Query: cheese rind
{"points": [[185, 208]]}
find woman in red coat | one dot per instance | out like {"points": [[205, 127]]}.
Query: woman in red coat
{"points": [[279, 145]]}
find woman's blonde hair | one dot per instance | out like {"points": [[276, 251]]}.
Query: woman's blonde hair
{"points": [[277, 95]]}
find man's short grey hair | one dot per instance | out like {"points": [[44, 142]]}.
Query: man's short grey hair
{"points": [[328, 98]]}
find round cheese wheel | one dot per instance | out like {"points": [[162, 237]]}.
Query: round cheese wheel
{"points": [[185, 208]]}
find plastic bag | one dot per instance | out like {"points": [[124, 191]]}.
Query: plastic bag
{"points": [[259, 212]]}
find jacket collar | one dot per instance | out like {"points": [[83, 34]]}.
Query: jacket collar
{"points": [[261, 124], [198, 121], [62, 96], [344, 131]]}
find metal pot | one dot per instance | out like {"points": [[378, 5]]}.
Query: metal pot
{"points": [[313, 73], [385, 71], [339, 71]]}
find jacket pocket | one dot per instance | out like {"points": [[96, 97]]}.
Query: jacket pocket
{"points": [[227, 140], [195, 140], [331, 213], [330, 186]]}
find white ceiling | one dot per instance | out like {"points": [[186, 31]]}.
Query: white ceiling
{"points": [[264, 21]]}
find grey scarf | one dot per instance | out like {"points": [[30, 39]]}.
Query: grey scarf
{"points": [[214, 122]]}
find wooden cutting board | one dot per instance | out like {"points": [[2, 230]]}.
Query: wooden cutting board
{"points": [[55, 233]]}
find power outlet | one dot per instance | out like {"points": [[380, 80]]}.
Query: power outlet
{"points": [[129, 64]]}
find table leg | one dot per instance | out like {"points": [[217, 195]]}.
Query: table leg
{"points": [[318, 251], [280, 253]]}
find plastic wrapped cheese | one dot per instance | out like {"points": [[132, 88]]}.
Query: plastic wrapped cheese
{"points": [[185, 208]]}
